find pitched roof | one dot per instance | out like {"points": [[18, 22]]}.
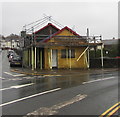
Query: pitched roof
{"points": [[58, 32], [49, 24]]}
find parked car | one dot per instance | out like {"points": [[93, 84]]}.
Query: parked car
{"points": [[16, 61], [9, 53], [11, 57]]}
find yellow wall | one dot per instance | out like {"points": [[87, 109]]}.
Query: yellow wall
{"points": [[72, 62], [66, 33], [47, 55], [66, 62]]}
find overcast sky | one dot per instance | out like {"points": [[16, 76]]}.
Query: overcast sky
{"points": [[99, 17]]}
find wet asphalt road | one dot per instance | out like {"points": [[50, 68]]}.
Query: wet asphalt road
{"points": [[101, 94]]}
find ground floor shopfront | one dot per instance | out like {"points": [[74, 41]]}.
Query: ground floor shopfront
{"points": [[60, 57]]}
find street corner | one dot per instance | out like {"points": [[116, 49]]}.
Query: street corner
{"points": [[34, 73], [18, 71]]}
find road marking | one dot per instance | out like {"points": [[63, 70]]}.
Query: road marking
{"points": [[114, 111], [8, 73], [110, 109], [28, 77], [92, 81], [6, 79], [20, 86], [2, 78], [4, 89], [14, 75], [33, 74], [51, 75], [54, 109], [17, 86], [31, 96], [19, 75], [16, 79]]}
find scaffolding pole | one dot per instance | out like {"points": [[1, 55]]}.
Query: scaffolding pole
{"points": [[35, 57], [88, 51], [82, 54], [102, 62], [50, 58], [67, 57], [70, 57], [32, 49], [40, 59], [32, 58], [29, 57], [86, 61], [88, 54]]}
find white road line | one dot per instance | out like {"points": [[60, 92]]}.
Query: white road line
{"points": [[98, 80], [19, 75], [31, 96], [8, 73], [14, 75], [28, 77], [17, 86], [16, 79], [4, 89], [20, 86], [2, 78]]}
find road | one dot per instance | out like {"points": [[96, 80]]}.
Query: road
{"points": [[70, 92]]}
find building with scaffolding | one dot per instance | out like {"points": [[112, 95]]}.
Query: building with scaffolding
{"points": [[51, 47]]}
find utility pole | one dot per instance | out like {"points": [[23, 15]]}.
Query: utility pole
{"points": [[32, 50], [88, 52], [102, 60], [94, 46], [23, 35]]}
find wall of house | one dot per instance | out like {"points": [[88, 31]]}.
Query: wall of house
{"points": [[25, 58], [46, 58], [66, 62], [72, 62]]}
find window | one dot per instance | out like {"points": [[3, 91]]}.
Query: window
{"points": [[63, 53], [67, 53], [71, 53]]}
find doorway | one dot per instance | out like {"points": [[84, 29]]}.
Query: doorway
{"points": [[54, 58]]}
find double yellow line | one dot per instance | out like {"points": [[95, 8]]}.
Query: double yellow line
{"points": [[111, 110]]}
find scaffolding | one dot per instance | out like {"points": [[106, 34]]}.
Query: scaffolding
{"points": [[37, 40]]}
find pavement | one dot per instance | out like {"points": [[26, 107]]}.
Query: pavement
{"points": [[58, 72], [34, 73]]}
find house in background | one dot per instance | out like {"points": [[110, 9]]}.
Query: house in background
{"points": [[108, 42], [11, 41], [51, 47], [2, 42], [111, 47]]}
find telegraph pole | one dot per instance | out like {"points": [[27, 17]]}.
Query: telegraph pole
{"points": [[88, 52], [32, 50]]}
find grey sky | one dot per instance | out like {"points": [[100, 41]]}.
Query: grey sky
{"points": [[99, 17], [119, 19]]}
